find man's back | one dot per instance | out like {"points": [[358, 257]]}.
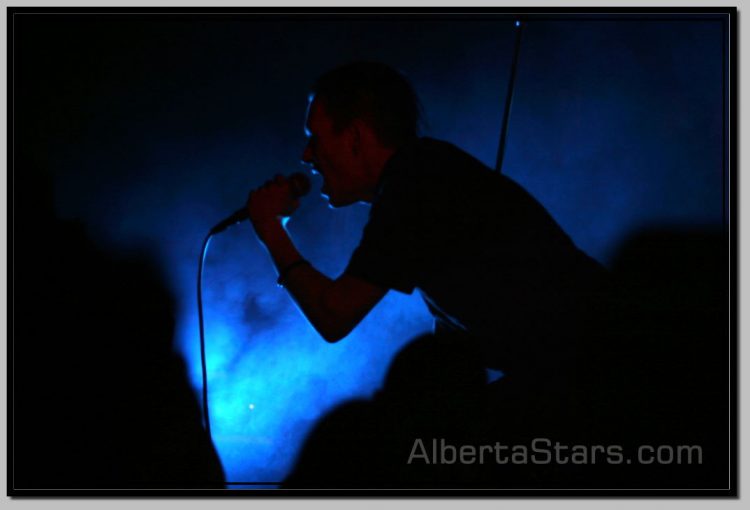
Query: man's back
{"points": [[487, 257]]}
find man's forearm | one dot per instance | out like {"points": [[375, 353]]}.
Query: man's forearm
{"points": [[278, 243], [308, 287]]}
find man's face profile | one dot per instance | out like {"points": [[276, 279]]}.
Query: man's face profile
{"points": [[330, 154]]}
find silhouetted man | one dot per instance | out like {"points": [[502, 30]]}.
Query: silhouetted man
{"points": [[494, 268], [506, 286]]}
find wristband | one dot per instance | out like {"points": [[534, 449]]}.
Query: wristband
{"points": [[285, 272]]}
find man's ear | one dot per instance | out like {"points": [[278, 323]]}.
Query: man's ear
{"points": [[363, 136], [356, 135]]}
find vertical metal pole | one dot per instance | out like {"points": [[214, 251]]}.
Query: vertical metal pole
{"points": [[509, 98]]}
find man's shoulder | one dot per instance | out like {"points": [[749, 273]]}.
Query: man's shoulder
{"points": [[433, 160], [436, 151]]}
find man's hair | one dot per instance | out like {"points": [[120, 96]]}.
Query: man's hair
{"points": [[375, 93]]}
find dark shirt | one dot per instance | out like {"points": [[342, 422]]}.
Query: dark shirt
{"points": [[489, 260]]}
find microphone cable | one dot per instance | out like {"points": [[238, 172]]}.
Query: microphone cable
{"points": [[206, 415], [299, 186], [201, 261]]}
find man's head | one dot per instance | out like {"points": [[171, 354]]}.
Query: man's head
{"points": [[358, 115]]}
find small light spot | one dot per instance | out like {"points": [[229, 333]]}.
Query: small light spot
{"points": [[518, 23], [251, 406], [493, 375]]}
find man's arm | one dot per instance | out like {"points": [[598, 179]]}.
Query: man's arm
{"points": [[333, 307]]}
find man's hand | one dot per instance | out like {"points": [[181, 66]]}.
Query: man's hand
{"points": [[271, 202]]}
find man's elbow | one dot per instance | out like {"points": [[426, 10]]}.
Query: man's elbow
{"points": [[335, 328], [338, 320], [332, 338], [333, 335]]}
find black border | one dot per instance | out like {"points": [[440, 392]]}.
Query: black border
{"points": [[728, 16]]}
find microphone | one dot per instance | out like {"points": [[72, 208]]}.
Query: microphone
{"points": [[299, 186]]}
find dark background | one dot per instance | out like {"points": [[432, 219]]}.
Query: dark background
{"points": [[134, 134]]}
